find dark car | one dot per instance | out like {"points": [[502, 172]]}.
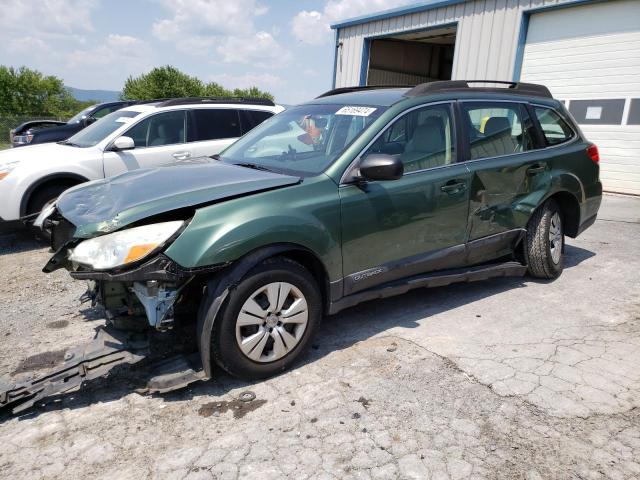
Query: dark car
{"points": [[43, 131], [359, 194]]}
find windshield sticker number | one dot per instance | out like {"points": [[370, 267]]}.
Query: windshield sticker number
{"points": [[356, 111], [124, 119]]}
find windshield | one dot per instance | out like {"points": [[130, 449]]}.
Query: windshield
{"points": [[104, 127], [78, 116], [303, 140]]}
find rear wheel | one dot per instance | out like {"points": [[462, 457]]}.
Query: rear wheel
{"points": [[268, 321], [545, 241]]}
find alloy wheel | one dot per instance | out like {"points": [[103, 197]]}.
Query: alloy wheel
{"points": [[271, 322], [555, 237]]}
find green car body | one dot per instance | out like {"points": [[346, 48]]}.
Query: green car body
{"points": [[359, 238], [350, 229]]}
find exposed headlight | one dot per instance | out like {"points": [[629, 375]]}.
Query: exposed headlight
{"points": [[7, 167], [121, 248]]}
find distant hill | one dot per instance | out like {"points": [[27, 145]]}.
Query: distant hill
{"points": [[97, 95]]}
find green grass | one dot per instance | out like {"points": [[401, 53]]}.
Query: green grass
{"points": [[4, 144]]}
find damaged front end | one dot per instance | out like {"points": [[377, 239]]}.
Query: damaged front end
{"points": [[114, 234], [149, 294]]}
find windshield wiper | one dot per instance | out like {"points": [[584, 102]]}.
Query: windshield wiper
{"points": [[254, 166], [67, 142]]}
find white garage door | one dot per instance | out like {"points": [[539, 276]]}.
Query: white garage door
{"points": [[589, 56]]}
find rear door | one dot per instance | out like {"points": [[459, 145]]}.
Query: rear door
{"points": [[250, 119], [211, 130], [509, 173], [395, 229], [159, 141]]}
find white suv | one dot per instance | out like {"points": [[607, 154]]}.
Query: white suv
{"points": [[139, 136]]}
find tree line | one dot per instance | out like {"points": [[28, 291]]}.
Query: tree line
{"points": [[27, 92]]}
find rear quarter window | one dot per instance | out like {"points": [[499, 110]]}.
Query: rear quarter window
{"points": [[554, 128]]}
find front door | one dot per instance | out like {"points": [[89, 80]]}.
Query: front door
{"points": [[395, 229], [159, 141]]}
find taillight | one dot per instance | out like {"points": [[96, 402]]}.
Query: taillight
{"points": [[592, 151]]}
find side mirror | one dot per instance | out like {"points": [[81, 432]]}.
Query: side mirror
{"points": [[123, 143], [379, 166], [88, 121]]}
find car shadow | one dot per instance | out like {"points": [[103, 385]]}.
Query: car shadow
{"points": [[19, 239], [337, 332]]}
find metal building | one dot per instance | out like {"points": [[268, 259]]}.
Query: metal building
{"points": [[586, 51]]}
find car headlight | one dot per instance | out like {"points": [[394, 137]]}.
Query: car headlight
{"points": [[126, 246], [7, 167]]}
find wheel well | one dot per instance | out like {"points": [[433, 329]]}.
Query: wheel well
{"points": [[68, 180], [308, 260], [570, 209]]}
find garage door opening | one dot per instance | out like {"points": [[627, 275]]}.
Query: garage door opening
{"points": [[412, 58]]}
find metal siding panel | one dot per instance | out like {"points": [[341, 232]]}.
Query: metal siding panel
{"points": [[486, 42], [495, 43]]}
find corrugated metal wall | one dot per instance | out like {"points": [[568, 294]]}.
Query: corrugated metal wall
{"points": [[487, 37]]}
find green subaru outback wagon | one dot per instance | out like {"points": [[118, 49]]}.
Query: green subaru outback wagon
{"points": [[359, 194]]}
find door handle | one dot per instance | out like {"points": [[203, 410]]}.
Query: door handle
{"points": [[181, 155], [452, 187], [535, 169]]}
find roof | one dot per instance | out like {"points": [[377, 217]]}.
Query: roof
{"points": [[395, 12], [383, 97], [386, 96], [153, 106]]}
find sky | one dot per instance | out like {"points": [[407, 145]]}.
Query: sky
{"points": [[282, 46]]}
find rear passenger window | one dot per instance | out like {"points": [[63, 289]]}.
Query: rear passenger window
{"points": [[496, 129], [423, 138], [554, 128], [253, 118], [213, 124]]}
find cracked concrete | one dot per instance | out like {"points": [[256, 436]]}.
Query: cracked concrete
{"points": [[509, 378]]}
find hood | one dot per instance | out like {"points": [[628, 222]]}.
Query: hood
{"points": [[107, 205], [44, 152]]}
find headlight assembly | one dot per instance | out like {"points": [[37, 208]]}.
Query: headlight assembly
{"points": [[127, 246]]}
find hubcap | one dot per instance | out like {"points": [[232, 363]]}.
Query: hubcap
{"points": [[271, 322], [555, 237]]}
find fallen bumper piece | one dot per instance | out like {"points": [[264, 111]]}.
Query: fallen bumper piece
{"points": [[108, 349]]}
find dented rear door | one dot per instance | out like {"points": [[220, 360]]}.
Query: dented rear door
{"points": [[509, 175]]}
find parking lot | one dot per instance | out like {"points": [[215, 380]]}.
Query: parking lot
{"points": [[507, 378]]}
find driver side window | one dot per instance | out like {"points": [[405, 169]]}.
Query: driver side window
{"points": [[423, 138], [157, 130]]}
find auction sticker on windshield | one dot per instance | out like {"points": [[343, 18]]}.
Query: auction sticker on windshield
{"points": [[357, 111], [124, 120]]}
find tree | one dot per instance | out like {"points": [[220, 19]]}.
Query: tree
{"points": [[27, 92], [168, 82]]}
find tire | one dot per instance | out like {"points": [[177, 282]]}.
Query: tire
{"points": [[268, 350], [40, 199], [545, 241]]}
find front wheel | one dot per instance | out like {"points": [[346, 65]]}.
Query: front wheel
{"points": [[545, 241], [268, 321]]}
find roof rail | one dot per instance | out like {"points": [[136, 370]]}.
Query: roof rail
{"points": [[205, 100], [338, 91], [461, 85]]}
